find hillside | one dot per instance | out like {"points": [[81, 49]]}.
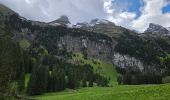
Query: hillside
{"points": [[103, 67], [5, 10], [97, 60]]}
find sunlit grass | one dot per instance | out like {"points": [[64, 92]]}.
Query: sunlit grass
{"points": [[138, 92]]}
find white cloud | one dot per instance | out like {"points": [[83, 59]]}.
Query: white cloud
{"points": [[118, 14], [85, 10], [48, 10], [152, 13]]}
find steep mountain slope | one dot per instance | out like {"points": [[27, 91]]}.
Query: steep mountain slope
{"points": [[157, 30], [62, 21], [131, 52], [135, 53], [102, 26], [153, 28], [10, 55], [6, 11]]}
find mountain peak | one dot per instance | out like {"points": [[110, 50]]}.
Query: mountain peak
{"points": [[155, 28], [100, 21], [63, 20]]}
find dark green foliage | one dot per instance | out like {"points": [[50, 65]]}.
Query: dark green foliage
{"points": [[73, 81], [39, 80], [101, 80], [57, 80], [145, 49], [84, 82], [21, 82], [141, 78], [119, 79], [10, 59], [90, 83], [166, 64]]}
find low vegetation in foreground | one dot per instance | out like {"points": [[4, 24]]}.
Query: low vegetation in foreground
{"points": [[119, 92]]}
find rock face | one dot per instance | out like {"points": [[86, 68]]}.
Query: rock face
{"points": [[98, 50], [133, 51], [99, 39], [157, 29], [63, 21], [168, 28], [127, 62], [101, 26]]}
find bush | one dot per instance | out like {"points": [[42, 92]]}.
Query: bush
{"points": [[166, 79]]}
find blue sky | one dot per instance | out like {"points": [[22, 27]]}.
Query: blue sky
{"points": [[166, 9], [131, 5], [135, 5]]}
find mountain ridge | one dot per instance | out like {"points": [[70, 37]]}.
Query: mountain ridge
{"points": [[129, 51]]}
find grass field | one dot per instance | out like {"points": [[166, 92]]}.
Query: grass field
{"points": [[140, 92], [115, 92]]}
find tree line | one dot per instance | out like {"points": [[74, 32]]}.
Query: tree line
{"points": [[57, 75]]}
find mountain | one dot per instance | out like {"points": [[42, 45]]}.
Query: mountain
{"points": [[63, 20], [102, 26], [132, 54], [5, 10], [157, 30], [168, 28]]}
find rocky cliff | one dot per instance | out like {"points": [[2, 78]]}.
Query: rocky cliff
{"points": [[99, 39]]}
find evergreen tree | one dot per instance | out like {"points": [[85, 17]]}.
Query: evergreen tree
{"points": [[39, 80], [57, 80], [21, 82], [84, 82], [91, 83], [62, 80], [10, 59], [73, 81]]}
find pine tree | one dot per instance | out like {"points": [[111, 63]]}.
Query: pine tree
{"points": [[10, 59], [73, 81], [84, 82], [91, 83], [62, 80], [21, 82], [57, 80], [39, 80], [53, 80]]}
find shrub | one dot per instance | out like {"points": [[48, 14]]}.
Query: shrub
{"points": [[166, 79]]}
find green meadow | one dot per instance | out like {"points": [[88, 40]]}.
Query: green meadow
{"points": [[114, 92], [118, 92]]}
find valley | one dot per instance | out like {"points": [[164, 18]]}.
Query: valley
{"points": [[96, 60]]}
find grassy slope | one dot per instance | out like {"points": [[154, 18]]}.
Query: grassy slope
{"points": [[141, 92], [117, 92], [107, 69]]}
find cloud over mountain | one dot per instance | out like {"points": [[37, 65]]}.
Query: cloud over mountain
{"points": [[116, 11]]}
